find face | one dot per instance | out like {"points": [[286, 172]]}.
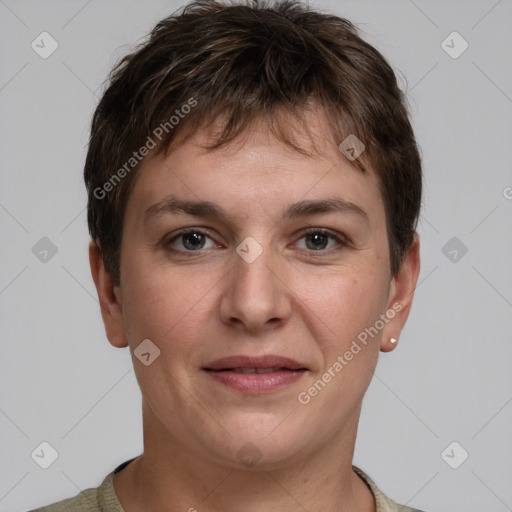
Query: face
{"points": [[272, 259]]}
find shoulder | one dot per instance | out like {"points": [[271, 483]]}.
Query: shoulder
{"points": [[384, 503], [89, 500]]}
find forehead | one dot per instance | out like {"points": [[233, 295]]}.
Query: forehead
{"points": [[256, 168]]}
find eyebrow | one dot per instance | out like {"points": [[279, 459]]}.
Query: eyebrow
{"points": [[173, 205]]}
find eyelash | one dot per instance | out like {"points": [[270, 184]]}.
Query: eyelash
{"points": [[341, 240]]}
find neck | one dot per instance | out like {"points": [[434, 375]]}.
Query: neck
{"points": [[167, 477]]}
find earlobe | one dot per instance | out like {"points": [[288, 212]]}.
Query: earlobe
{"points": [[109, 298], [388, 344], [401, 294]]}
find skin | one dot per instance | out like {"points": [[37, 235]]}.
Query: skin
{"points": [[198, 306]]}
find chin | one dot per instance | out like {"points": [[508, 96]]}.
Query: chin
{"points": [[248, 450]]}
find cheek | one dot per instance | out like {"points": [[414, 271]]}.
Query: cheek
{"points": [[342, 304], [340, 310], [164, 304]]}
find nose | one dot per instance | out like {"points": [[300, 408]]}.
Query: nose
{"points": [[255, 297]]}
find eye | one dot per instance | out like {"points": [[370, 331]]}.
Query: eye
{"points": [[313, 240], [191, 239], [317, 239]]}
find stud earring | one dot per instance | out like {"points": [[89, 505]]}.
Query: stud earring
{"points": [[393, 340]]}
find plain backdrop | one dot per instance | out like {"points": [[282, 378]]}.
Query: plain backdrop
{"points": [[450, 378]]}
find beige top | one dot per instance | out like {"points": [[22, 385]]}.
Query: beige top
{"points": [[104, 499]]}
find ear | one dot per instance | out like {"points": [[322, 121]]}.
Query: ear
{"points": [[109, 297], [401, 292]]}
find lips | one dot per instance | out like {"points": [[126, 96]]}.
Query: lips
{"points": [[255, 375], [255, 370], [254, 364]]}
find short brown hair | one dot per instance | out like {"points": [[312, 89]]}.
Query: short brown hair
{"points": [[235, 62]]}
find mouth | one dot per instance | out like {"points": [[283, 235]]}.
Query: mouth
{"points": [[255, 375], [248, 371]]}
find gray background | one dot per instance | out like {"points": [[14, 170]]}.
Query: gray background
{"points": [[450, 378]]}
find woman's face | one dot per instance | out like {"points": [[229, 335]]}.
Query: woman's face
{"points": [[284, 256]]}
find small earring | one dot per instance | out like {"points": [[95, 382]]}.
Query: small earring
{"points": [[393, 340]]}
